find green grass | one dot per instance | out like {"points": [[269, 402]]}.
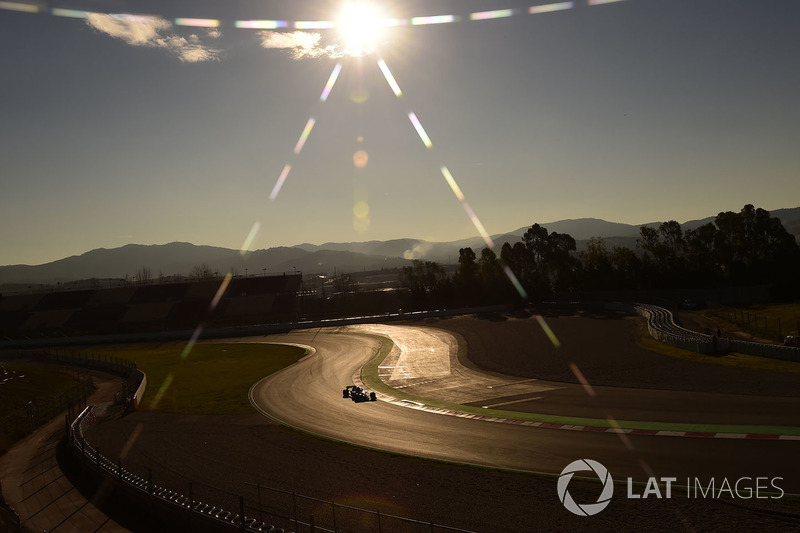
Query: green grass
{"points": [[752, 362], [211, 379], [751, 319], [369, 375]]}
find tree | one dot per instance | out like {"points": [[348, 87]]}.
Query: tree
{"points": [[598, 271], [627, 267], [143, 275], [664, 251], [753, 247], [701, 258], [201, 272], [494, 281], [467, 281], [423, 277]]}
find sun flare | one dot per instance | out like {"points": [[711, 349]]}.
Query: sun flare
{"points": [[361, 26]]}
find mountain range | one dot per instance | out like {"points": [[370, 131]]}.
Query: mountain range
{"points": [[179, 258]]}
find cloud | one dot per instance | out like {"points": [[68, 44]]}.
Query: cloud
{"points": [[300, 44], [153, 32]]}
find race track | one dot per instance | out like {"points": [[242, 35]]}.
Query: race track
{"points": [[308, 396]]}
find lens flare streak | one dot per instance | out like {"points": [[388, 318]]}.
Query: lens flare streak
{"points": [[161, 390], [70, 13], [550, 335], [197, 23], [261, 24], [582, 379], [487, 15], [478, 226], [304, 136], [17, 6], [250, 238], [278, 184], [515, 282], [189, 345], [389, 78], [267, 24], [420, 130], [549, 8], [220, 291], [452, 182], [436, 19], [331, 82]]}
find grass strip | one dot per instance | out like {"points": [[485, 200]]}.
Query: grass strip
{"points": [[737, 360], [212, 379], [369, 376]]}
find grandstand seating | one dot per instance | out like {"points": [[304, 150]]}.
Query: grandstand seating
{"points": [[170, 306], [63, 300]]}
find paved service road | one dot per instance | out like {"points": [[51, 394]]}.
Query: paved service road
{"points": [[308, 395]]}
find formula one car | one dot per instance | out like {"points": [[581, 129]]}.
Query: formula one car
{"points": [[357, 394]]}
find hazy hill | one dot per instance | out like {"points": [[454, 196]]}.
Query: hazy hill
{"points": [[180, 258]]}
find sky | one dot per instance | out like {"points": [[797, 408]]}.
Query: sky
{"points": [[210, 121]]}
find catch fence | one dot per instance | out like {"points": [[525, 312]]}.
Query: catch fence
{"points": [[202, 507], [662, 327]]}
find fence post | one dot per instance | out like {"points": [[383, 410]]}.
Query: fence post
{"points": [[333, 509], [380, 529], [294, 505], [311, 524], [260, 510]]}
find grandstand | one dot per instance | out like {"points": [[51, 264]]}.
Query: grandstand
{"points": [[154, 307]]}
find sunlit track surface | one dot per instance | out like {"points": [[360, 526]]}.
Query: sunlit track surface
{"points": [[308, 396]]}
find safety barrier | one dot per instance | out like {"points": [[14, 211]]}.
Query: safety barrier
{"points": [[278, 511], [175, 507], [662, 327]]}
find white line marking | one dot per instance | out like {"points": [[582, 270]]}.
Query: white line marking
{"points": [[512, 401]]}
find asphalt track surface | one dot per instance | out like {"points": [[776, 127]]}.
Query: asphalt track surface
{"points": [[308, 396]]}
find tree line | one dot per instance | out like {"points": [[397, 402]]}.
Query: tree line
{"points": [[736, 249]]}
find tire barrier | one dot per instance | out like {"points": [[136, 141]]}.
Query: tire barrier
{"points": [[662, 327]]}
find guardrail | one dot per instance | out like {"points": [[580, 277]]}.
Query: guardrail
{"points": [[166, 503], [662, 327], [282, 512]]}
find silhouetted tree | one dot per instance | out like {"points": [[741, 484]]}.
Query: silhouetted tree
{"points": [[467, 280], [496, 285], [598, 270], [143, 275], [423, 277], [201, 272]]}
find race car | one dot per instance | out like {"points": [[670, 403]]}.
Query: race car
{"points": [[357, 394]]}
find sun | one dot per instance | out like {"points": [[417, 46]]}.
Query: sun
{"points": [[361, 26]]}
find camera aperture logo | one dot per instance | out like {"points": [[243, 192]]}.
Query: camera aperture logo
{"points": [[585, 509], [744, 488]]}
